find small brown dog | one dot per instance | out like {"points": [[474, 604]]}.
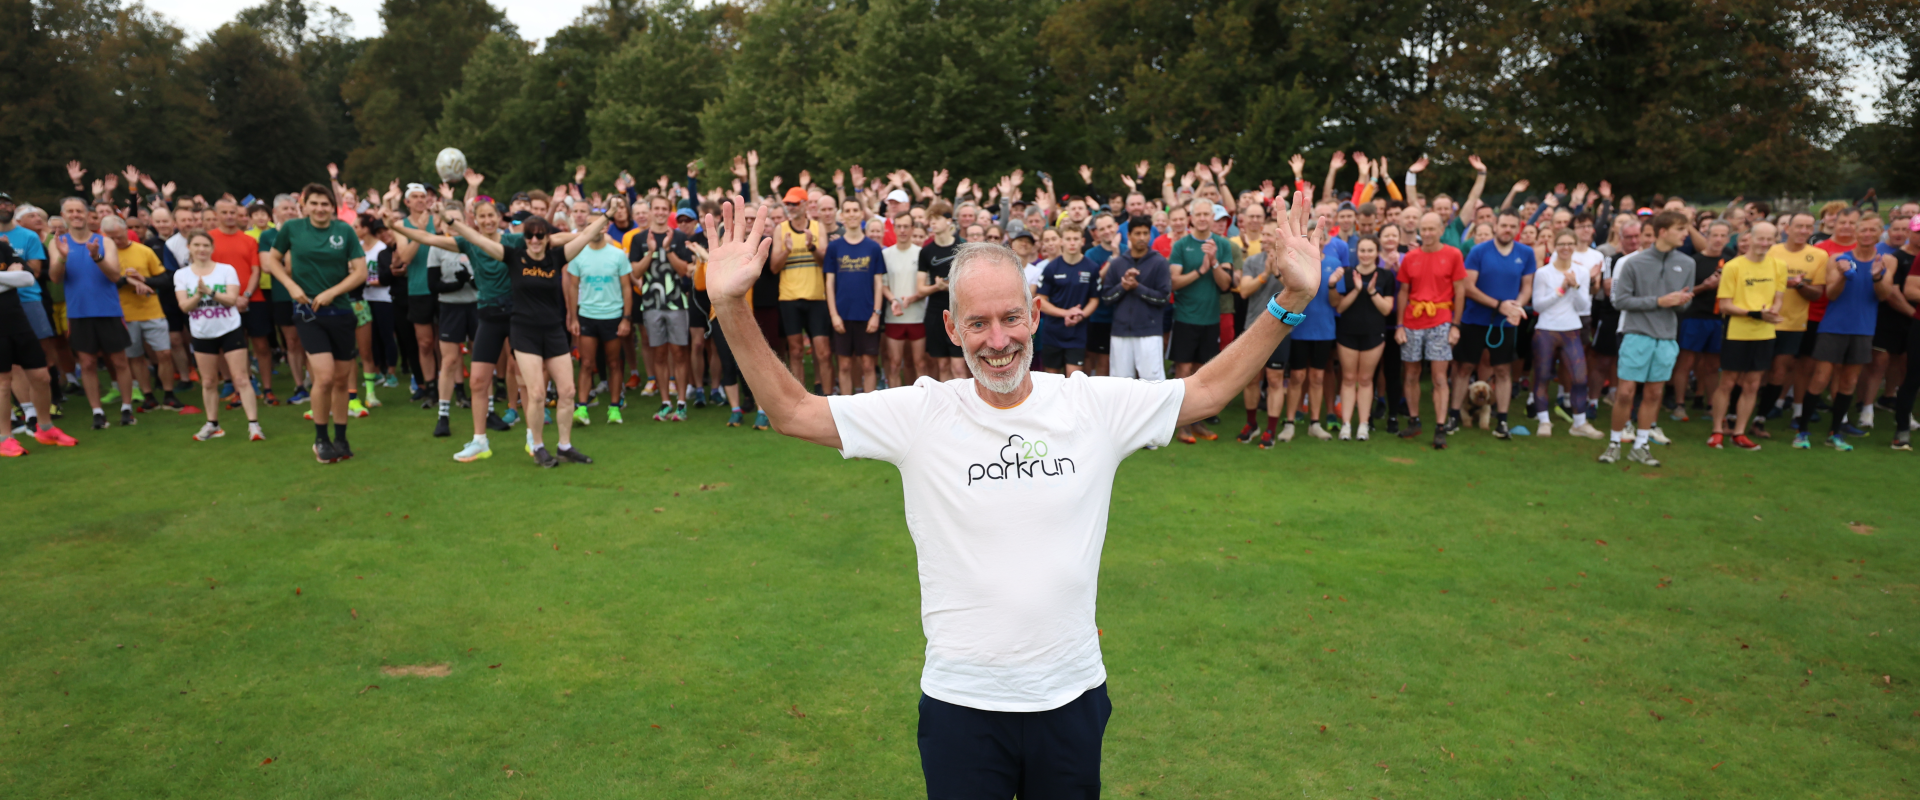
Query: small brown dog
{"points": [[1478, 408]]}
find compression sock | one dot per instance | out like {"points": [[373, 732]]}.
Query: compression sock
{"points": [[320, 433], [1842, 403], [444, 405], [1501, 416], [1253, 418], [340, 432]]}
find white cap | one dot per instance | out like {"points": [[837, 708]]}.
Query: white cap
{"points": [[414, 187], [898, 196]]}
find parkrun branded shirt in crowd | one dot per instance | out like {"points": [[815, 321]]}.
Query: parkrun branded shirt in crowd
{"points": [[89, 293], [1751, 285], [1008, 512]]}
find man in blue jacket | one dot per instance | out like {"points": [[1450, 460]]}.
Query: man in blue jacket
{"points": [[1137, 286]]}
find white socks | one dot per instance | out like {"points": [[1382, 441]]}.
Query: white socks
{"points": [[1579, 420], [1640, 437]]}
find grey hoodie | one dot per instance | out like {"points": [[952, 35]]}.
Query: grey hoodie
{"points": [[1640, 280]]}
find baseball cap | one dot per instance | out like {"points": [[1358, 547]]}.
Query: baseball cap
{"points": [[1219, 212], [414, 187], [1022, 233], [1347, 205], [898, 196], [794, 195], [685, 213], [6, 197]]}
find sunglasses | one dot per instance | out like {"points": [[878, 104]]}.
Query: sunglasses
{"points": [[541, 236]]}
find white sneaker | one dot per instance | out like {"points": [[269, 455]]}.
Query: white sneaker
{"points": [[1544, 429], [254, 434], [1866, 415], [1346, 434], [1318, 432], [1585, 430], [474, 451], [210, 431], [1658, 436], [1286, 433]]}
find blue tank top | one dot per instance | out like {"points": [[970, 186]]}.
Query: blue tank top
{"points": [[89, 293], [1854, 312]]}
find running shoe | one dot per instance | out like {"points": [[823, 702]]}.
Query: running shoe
{"points": [[1286, 433], [307, 415], [112, 396], [598, 388], [580, 416], [1393, 424], [390, 381], [300, 396], [1452, 425], [1266, 439], [171, 403], [1745, 443], [474, 451], [54, 436], [254, 434], [633, 380], [1680, 414], [649, 390], [147, 404], [735, 419], [99, 420], [1801, 442], [495, 423], [1246, 433], [1412, 431], [1209, 435], [1644, 456], [1361, 435], [1758, 429], [325, 453], [544, 458], [1185, 436], [345, 450], [1903, 441], [1346, 434], [10, 448], [1545, 429], [1848, 429], [546, 416], [1866, 415], [760, 422], [573, 456], [1560, 410], [511, 418], [1611, 454], [614, 417], [1500, 431], [1440, 439], [1839, 443], [666, 410], [442, 427], [210, 430], [58, 411], [1319, 432], [20, 427], [529, 445], [699, 397], [372, 401], [126, 417], [1716, 441], [356, 409], [1658, 436]]}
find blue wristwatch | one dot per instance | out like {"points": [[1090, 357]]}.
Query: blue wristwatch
{"points": [[1292, 318]]}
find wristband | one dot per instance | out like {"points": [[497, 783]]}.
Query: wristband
{"points": [[1293, 318], [1754, 315]]}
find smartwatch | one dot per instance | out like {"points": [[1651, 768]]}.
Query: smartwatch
{"points": [[1292, 318]]}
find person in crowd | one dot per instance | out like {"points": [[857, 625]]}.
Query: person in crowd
{"points": [[1751, 292], [146, 321], [22, 356], [1364, 302], [321, 260], [1702, 329], [855, 269], [211, 294], [1067, 296], [1432, 285], [936, 260], [1499, 283], [1260, 279], [906, 304], [89, 272], [1312, 345], [1560, 290], [233, 247], [280, 302], [599, 288], [1649, 287], [462, 272], [1856, 282], [423, 310], [798, 246], [663, 306], [1201, 266], [1799, 327]]}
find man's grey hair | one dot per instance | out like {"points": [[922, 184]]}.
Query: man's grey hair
{"points": [[285, 198], [1202, 206], [970, 255], [112, 223]]}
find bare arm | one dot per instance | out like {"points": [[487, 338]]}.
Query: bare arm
{"points": [[733, 265], [493, 249], [579, 241], [416, 237]]}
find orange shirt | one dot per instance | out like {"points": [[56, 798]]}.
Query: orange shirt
{"points": [[242, 252]]}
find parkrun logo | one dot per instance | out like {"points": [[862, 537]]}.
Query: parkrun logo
{"points": [[1021, 459]]}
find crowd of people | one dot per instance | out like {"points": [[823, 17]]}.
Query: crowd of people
{"points": [[128, 295]]}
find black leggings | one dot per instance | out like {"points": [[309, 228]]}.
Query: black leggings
{"points": [[1390, 369], [729, 368], [385, 351]]}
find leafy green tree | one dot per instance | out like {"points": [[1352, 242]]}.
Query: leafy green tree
{"points": [[648, 97], [472, 117], [270, 131], [397, 85], [320, 42], [787, 49]]}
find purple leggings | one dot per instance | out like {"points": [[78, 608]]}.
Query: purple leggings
{"points": [[1565, 344]]}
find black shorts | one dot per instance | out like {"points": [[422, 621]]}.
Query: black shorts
{"points": [[1059, 357], [1845, 349], [545, 341], [1787, 343], [103, 336], [1890, 334], [1606, 335], [939, 344], [257, 320], [600, 330], [328, 333], [282, 312], [1746, 355], [805, 316], [1281, 354], [967, 752], [458, 322], [1195, 344], [1811, 338], [856, 341], [235, 339], [1500, 342], [1100, 337], [1523, 346], [18, 346], [490, 341], [1360, 341], [1311, 354], [423, 309]]}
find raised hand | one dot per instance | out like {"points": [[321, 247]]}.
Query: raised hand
{"points": [[753, 158], [1560, 188], [1606, 190], [1478, 165], [580, 174], [740, 167], [775, 183], [1201, 173], [147, 181], [166, 190], [806, 179], [1521, 185], [474, 179], [840, 179], [76, 172], [1132, 186], [1579, 193], [939, 180], [99, 187], [736, 255], [1166, 176], [446, 191], [1086, 174], [1300, 276], [1339, 160], [1266, 190], [1419, 166], [1140, 169], [113, 182], [1299, 164], [1360, 160], [962, 187], [133, 176], [665, 182], [858, 175]]}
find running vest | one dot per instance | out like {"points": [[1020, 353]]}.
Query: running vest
{"points": [[801, 279], [89, 293], [1856, 310]]}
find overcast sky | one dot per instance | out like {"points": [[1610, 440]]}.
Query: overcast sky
{"points": [[539, 19]]}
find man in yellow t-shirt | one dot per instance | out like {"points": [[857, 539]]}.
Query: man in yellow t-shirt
{"points": [[1752, 292], [1806, 267], [798, 245], [146, 322]]}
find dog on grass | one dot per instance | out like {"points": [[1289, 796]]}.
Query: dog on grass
{"points": [[1478, 408]]}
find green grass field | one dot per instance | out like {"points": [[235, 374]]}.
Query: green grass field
{"points": [[713, 612]]}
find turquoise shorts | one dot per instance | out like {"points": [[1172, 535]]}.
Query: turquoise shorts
{"points": [[1644, 359]]}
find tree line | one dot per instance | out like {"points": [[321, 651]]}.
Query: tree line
{"points": [[1719, 98]]}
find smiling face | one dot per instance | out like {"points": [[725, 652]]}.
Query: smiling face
{"points": [[992, 320], [200, 248]]}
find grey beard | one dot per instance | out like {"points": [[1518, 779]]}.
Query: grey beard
{"points": [[1023, 362]]}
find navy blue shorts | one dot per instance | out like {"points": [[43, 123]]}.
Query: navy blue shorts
{"points": [[968, 753], [1703, 335]]}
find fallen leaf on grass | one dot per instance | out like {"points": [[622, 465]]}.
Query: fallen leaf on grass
{"points": [[654, 726], [1716, 765], [1601, 542], [796, 713], [1656, 717], [266, 762], [708, 487], [369, 687], [418, 670], [296, 591], [494, 666], [1861, 528], [355, 612], [658, 510], [1686, 700]]}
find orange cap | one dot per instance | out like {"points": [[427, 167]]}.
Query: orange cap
{"points": [[795, 195]]}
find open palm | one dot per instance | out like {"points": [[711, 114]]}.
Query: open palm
{"points": [[1300, 274], [738, 251]]}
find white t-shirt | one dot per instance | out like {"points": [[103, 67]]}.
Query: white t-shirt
{"points": [[1560, 312], [1034, 270], [1008, 512], [1584, 260], [903, 279], [212, 319], [177, 244], [373, 293]]}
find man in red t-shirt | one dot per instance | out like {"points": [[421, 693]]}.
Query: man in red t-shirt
{"points": [[1433, 285], [233, 247]]}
